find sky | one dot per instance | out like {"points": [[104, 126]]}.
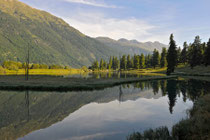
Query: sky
{"points": [[143, 20]]}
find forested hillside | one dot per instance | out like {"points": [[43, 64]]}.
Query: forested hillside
{"points": [[50, 39]]}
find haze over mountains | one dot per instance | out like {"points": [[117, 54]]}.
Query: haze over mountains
{"points": [[53, 41]]}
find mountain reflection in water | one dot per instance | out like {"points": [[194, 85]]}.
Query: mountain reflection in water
{"points": [[112, 113]]}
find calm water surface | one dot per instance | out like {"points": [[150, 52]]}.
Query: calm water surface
{"points": [[112, 113]]}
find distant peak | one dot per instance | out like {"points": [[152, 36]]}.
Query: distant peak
{"points": [[123, 40], [134, 41]]}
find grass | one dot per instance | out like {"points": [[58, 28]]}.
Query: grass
{"points": [[198, 124], [161, 133], [41, 71], [196, 71], [60, 83]]}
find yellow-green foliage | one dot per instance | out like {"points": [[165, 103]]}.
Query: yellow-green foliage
{"points": [[42, 72], [12, 65], [2, 70]]}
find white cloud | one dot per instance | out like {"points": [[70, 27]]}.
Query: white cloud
{"points": [[95, 25], [91, 3]]}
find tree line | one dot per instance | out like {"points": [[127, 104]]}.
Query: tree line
{"points": [[127, 62], [193, 54], [12, 65]]}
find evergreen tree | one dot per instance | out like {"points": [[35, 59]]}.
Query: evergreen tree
{"points": [[196, 52], [136, 62], [148, 61], [207, 54], [132, 62], [155, 58], [163, 61], [142, 61], [95, 65], [183, 57], [101, 64], [110, 63], [178, 55], [203, 48], [171, 55], [123, 63], [116, 63], [129, 62]]}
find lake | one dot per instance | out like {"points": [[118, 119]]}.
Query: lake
{"points": [[112, 113]]}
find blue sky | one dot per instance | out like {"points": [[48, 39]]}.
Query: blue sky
{"points": [[143, 20]]}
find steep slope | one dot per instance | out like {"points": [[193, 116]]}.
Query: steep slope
{"points": [[51, 39], [133, 45]]}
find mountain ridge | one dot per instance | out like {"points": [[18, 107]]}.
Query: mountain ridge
{"points": [[51, 40]]}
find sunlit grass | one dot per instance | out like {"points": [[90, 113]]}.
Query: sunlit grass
{"points": [[42, 72]]}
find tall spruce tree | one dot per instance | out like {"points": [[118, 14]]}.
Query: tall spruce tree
{"points": [[123, 63], [115, 62], [110, 63], [207, 54], [171, 55], [101, 64], [95, 65], [196, 53], [142, 61], [136, 62], [129, 62], [148, 60], [155, 58], [163, 61], [183, 57], [179, 55]]}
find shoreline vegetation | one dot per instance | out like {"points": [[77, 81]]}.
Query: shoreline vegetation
{"points": [[195, 127]]}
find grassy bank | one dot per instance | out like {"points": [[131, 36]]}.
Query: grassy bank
{"points": [[196, 127], [60, 83], [41, 71], [196, 71]]}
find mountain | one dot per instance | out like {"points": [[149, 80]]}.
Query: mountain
{"points": [[24, 112], [133, 45], [50, 39]]}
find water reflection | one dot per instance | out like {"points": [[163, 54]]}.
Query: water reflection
{"points": [[99, 75], [96, 114]]}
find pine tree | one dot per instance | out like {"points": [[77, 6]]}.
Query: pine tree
{"points": [[183, 57], [136, 62], [110, 63], [207, 54], [171, 56], [155, 58], [115, 64], [142, 61], [148, 61], [101, 64], [129, 62], [95, 65], [123, 63], [163, 61], [196, 53], [178, 55]]}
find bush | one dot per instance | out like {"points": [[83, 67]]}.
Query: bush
{"points": [[11, 65], [84, 68], [67, 67], [56, 67], [2, 70], [35, 66], [43, 66], [161, 133]]}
